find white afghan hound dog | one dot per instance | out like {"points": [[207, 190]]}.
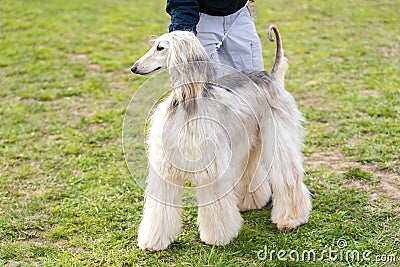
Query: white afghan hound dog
{"points": [[237, 138]]}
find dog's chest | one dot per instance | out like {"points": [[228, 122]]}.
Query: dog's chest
{"points": [[190, 143], [192, 137]]}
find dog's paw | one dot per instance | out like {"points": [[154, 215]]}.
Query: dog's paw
{"points": [[213, 240], [152, 245], [285, 228], [221, 236], [150, 240], [289, 224]]}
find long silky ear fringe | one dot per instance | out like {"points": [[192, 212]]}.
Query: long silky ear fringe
{"points": [[187, 59]]}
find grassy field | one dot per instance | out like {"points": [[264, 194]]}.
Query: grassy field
{"points": [[66, 195]]}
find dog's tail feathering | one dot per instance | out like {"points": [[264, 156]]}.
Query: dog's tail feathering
{"points": [[281, 63]]}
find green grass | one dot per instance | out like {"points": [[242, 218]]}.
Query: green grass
{"points": [[66, 195]]}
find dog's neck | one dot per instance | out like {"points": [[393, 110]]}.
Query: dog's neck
{"points": [[189, 84], [183, 91], [186, 96]]}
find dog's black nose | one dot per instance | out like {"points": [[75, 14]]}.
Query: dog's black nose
{"points": [[134, 69]]}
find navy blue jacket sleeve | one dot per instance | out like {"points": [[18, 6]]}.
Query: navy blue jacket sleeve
{"points": [[184, 15]]}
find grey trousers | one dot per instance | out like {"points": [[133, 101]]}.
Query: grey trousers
{"points": [[241, 48]]}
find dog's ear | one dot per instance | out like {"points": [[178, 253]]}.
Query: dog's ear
{"points": [[177, 53], [187, 58], [184, 48], [164, 44]]}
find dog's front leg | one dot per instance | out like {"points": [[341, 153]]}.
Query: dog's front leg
{"points": [[161, 221], [219, 218]]}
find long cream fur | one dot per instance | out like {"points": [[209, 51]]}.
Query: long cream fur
{"points": [[236, 137]]}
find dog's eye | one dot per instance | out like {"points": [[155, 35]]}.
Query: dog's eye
{"points": [[159, 48]]}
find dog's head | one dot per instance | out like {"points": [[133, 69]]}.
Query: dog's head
{"points": [[170, 50]]}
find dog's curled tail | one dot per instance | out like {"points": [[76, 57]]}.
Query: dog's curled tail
{"points": [[280, 65]]}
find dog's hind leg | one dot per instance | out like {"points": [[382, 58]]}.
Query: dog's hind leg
{"points": [[219, 218], [161, 221], [290, 197], [253, 190]]}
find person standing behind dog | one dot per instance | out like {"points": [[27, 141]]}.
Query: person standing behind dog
{"points": [[225, 28]]}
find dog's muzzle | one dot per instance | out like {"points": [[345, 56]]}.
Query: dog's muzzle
{"points": [[134, 68]]}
